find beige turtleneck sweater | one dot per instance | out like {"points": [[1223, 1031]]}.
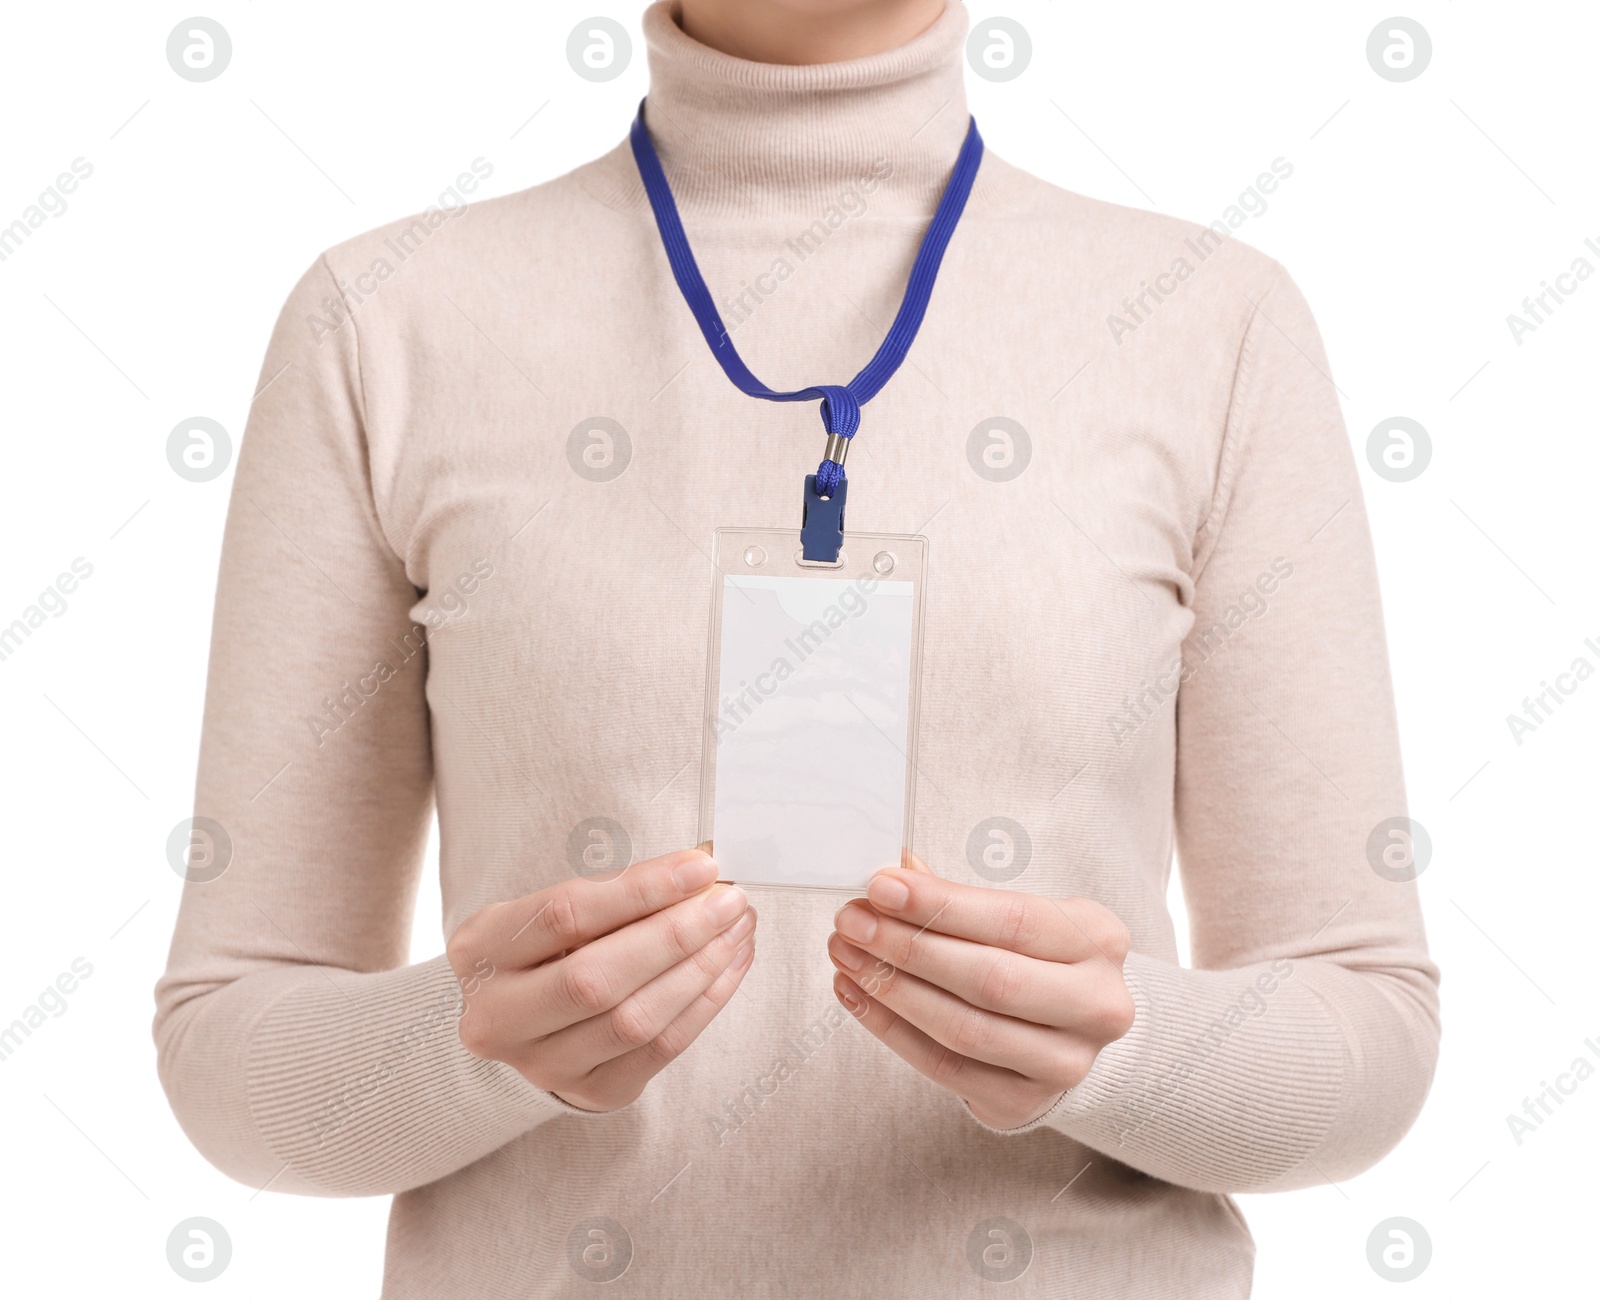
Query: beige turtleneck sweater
{"points": [[1189, 494]]}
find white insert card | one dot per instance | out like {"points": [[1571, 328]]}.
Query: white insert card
{"points": [[812, 719]]}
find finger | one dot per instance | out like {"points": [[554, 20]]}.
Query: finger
{"points": [[961, 1074], [526, 931], [597, 977], [1048, 928], [996, 979], [619, 1081], [646, 1013], [1029, 1050]]}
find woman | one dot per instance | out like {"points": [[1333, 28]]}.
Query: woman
{"points": [[1152, 623]]}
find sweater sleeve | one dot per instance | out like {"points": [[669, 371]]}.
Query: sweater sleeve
{"points": [[1301, 1046], [295, 1046]]}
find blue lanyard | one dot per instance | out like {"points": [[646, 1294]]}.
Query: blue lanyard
{"points": [[822, 530]]}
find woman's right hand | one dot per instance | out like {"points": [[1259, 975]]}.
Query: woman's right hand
{"points": [[589, 988]]}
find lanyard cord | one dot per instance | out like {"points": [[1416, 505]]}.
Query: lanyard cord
{"points": [[841, 404]]}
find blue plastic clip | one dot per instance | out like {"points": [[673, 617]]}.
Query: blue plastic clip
{"points": [[822, 523]]}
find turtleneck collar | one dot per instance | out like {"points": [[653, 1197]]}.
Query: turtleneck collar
{"points": [[740, 138]]}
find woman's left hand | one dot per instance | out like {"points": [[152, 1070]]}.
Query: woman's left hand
{"points": [[1002, 997]]}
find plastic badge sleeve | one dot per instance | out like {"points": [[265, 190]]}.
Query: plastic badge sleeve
{"points": [[807, 774]]}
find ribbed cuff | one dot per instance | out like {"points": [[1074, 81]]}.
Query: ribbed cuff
{"points": [[1226, 1081], [359, 1084]]}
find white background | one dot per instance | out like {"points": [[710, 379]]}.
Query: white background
{"points": [[1419, 215]]}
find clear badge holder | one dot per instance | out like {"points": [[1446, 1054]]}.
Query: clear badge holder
{"points": [[806, 776]]}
